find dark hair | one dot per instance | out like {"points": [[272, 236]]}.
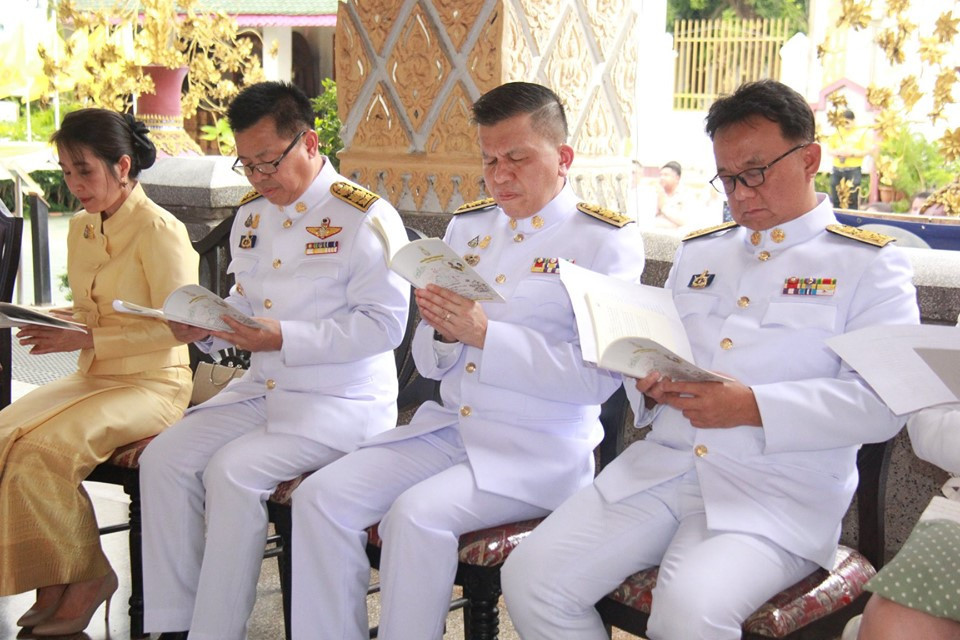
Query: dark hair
{"points": [[768, 99], [674, 166], [547, 116], [109, 135], [288, 106]]}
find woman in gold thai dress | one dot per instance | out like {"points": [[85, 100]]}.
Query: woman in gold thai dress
{"points": [[133, 377]]}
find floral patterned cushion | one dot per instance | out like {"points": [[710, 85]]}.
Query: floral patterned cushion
{"points": [[486, 547], [128, 456], [816, 596]]}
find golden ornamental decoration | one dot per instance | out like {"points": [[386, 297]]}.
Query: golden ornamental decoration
{"points": [[103, 56]]}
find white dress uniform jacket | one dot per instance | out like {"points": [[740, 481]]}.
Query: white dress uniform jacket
{"points": [[320, 269], [792, 480], [527, 406]]}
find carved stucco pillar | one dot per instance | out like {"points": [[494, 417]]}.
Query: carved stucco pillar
{"points": [[408, 70]]}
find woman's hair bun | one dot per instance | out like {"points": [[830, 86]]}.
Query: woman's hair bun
{"points": [[144, 147]]}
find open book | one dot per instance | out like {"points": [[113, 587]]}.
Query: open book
{"points": [[630, 328], [13, 315], [431, 261], [909, 366], [192, 304]]}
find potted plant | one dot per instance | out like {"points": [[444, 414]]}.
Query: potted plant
{"points": [[161, 50], [909, 164]]}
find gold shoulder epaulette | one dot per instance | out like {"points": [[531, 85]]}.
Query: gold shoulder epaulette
{"points": [[861, 235], [605, 215], [250, 196], [476, 205], [706, 231], [353, 195]]}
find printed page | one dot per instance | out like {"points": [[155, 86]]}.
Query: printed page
{"points": [[13, 315], [192, 304], [637, 357], [909, 366], [433, 261], [652, 312]]}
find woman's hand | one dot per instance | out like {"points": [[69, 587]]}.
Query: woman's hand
{"points": [[42, 340]]}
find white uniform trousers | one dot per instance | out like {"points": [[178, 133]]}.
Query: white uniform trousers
{"points": [[709, 581], [219, 462], [423, 493]]}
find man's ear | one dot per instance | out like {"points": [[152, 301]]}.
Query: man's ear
{"points": [[566, 159], [811, 159]]}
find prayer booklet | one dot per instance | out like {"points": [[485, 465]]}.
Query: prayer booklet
{"points": [[14, 315], [909, 366], [630, 328], [192, 304], [431, 261]]}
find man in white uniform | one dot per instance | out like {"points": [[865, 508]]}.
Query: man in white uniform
{"points": [[520, 414], [322, 376], [740, 488]]}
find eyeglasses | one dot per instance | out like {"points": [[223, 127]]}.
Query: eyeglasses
{"points": [[752, 178], [266, 168]]}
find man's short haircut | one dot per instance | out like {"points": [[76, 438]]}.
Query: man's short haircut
{"points": [[674, 166], [285, 103], [547, 116], [768, 99]]}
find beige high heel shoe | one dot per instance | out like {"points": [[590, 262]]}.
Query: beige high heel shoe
{"points": [[35, 616], [71, 626]]}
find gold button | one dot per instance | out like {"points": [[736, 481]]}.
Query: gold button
{"points": [[470, 367], [465, 411], [268, 303], [755, 238], [239, 289], [518, 237], [271, 384], [513, 223], [777, 235], [501, 279], [743, 302], [277, 263], [701, 450], [763, 256], [726, 344], [287, 223]]}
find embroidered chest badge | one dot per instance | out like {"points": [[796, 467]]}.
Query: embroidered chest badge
{"points": [[545, 265], [797, 286], [701, 280], [324, 230], [248, 240]]}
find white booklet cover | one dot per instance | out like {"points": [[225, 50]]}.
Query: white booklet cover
{"points": [[909, 366], [15, 315], [629, 327], [431, 261], [194, 305]]}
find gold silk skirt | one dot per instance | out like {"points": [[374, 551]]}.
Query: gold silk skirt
{"points": [[50, 441]]}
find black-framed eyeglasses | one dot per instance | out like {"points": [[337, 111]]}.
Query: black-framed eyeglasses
{"points": [[752, 177], [266, 168]]}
